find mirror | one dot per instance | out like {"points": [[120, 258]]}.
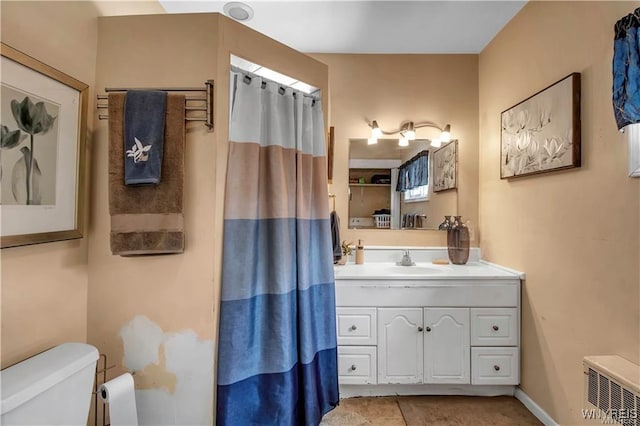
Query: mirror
{"points": [[373, 174]]}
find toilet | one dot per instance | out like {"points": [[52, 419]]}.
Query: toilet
{"points": [[51, 388]]}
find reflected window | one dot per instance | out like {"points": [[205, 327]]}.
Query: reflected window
{"points": [[419, 193]]}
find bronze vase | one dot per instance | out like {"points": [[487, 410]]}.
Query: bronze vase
{"points": [[458, 242]]}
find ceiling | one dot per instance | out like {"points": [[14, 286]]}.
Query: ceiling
{"points": [[372, 26]]}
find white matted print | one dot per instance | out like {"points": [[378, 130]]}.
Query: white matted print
{"points": [[19, 148], [542, 133], [43, 122], [445, 167]]}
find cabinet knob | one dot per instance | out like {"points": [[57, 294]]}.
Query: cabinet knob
{"points": [[353, 328], [353, 368], [496, 328], [428, 329], [420, 329], [496, 367]]}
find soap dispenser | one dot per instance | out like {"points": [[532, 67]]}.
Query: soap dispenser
{"points": [[359, 253]]}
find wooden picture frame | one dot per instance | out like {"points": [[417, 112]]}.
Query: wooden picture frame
{"points": [[542, 133], [330, 150], [445, 167], [44, 126]]}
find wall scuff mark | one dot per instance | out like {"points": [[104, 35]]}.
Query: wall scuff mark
{"points": [[174, 373]]}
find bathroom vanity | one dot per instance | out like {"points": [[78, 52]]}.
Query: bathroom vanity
{"points": [[427, 329]]}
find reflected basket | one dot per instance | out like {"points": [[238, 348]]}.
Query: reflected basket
{"points": [[382, 220]]}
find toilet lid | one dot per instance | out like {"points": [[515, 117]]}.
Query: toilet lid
{"points": [[23, 381]]}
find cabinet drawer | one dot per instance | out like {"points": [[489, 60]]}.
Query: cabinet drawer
{"points": [[495, 366], [494, 327], [356, 326], [357, 365]]}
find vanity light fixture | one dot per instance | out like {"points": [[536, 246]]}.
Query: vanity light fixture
{"points": [[408, 132], [375, 130], [445, 136]]}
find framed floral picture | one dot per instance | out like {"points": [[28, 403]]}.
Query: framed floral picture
{"points": [[542, 133], [445, 167], [43, 118]]}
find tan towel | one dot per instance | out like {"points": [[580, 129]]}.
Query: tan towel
{"points": [[147, 219]]}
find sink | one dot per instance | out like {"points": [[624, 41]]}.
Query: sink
{"points": [[387, 270], [414, 270]]}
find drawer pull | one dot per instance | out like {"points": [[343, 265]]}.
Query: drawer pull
{"points": [[420, 329], [496, 328], [353, 368], [496, 367], [428, 329], [353, 328]]}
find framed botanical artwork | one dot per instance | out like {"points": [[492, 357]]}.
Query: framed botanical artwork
{"points": [[542, 133], [445, 167], [43, 118]]}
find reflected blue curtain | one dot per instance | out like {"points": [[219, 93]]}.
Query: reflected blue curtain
{"points": [[626, 70], [414, 172]]}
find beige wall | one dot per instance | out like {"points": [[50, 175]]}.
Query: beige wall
{"points": [[172, 293], [396, 88], [44, 287], [131, 298], [574, 233]]}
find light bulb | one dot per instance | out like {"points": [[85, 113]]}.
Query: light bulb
{"points": [[409, 132], [403, 141], [436, 143], [372, 141], [376, 132], [445, 136]]}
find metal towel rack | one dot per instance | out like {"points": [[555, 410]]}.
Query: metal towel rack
{"points": [[202, 103], [333, 200], [96, 398]]}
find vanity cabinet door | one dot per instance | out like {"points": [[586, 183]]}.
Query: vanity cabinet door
{"points": [[400, 345], [447, 354]]}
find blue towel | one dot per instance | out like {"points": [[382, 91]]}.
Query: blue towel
{"points": [[144, 114], [335, 237]]}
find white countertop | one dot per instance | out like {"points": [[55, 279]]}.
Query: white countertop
{"points": [[425, 271]]}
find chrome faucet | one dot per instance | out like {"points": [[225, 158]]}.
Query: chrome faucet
{"points": [[406, 259]]}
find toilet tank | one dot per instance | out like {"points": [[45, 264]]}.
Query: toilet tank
{"points": [[51, 388]]}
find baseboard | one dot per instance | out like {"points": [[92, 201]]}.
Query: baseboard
{"points": [[349, 391], [535, 409]]}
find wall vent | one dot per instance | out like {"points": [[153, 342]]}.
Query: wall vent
{"points": [[612, 391]]}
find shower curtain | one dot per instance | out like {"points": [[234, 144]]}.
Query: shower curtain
{"points": [[277, 356]]}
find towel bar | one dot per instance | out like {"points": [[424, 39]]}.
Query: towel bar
{"points": [[192, 103], [333, 200]]}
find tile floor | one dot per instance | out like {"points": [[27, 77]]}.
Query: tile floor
{"points": [[430, 410]]}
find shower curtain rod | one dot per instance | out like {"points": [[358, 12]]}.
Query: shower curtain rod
{"points": [[265, 79]]}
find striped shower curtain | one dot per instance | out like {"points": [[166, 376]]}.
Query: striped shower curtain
{"points": [[277, 357]]}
